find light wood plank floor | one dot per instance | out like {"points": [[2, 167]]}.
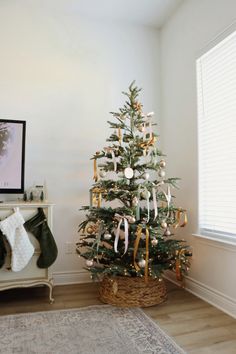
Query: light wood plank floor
{"points": [[196, 326]]}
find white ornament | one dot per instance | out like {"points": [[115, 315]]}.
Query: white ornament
{"points": [[154, 242], [161, 173], [102, 173], [163, 224], [146, 194], [142, 263], [135, 201], [162, 163], [89, 262], [107, 236], [146, 175], [150, 114], [167, 233], [129, 172], [132, 219]]}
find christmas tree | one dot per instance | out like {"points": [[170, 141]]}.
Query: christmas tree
{"points": [[131, 219]]}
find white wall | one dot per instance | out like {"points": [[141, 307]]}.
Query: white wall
{"points": [[182, 38], [63, 74]]}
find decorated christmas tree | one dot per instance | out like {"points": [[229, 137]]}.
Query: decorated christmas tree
{"points": [[131, 221]]}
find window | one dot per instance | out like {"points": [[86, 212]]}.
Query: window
{"points": [[216, 86]]}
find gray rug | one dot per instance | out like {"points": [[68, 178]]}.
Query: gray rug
{"points": [[96, 329]]}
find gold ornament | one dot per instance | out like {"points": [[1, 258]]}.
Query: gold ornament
{"points": [[163, 224], [162, 163]]}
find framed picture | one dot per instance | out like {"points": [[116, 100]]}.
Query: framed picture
{"points": [[12, 156]]}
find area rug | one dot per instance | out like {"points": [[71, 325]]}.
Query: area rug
{"points": [[97, 329]]}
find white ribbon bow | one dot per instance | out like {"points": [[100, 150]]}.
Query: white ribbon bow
{"points": [[125, 219]]}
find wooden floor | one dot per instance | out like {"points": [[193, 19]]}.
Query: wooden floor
{"points": [[194, 324]]}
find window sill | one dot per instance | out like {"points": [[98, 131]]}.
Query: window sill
{"points": [[223, 240]]}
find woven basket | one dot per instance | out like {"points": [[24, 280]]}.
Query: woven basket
{"points": [[132, 292]]}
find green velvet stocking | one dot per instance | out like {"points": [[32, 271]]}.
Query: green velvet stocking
{"points": [[3, 250], [38, 226]]}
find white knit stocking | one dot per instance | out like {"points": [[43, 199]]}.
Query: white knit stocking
{"points": [[21, 247]]}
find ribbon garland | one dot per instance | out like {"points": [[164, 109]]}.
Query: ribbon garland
{"points": [[95, 170], [147, 256], [136, 246], [96, 196], [119, 135], [122, 219], [146, 144], [178, 215], [100, 230], [154, 197], [178, 272]]}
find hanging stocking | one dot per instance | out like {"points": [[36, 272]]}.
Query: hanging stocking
{"points": [[38, 226], [21, 247], [3, 250]]}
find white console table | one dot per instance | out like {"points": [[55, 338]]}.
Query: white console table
{"points": [[31, 275]]}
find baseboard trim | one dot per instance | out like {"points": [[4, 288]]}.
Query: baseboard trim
{"points": [[206, 293], [71, 277]]}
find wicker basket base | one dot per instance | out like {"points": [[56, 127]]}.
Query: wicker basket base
{"points": [[132, 292]]}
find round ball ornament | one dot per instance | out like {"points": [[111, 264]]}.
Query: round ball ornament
{"points": [[142, 263], [107, 236], [164, 224], [89, 262], [161, 173], [162, 163], [154, 242], [146, 194], [90, 230], [167, 233], [129, 172], [146, 175], [132, 220], [102, 173]]}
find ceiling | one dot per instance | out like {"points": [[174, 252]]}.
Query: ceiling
{"points": [[145, 12]]}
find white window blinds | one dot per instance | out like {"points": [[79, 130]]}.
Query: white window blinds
{"points": [[216, 85]]}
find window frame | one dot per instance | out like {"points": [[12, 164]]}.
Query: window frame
{"points": [[201, 233]]}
